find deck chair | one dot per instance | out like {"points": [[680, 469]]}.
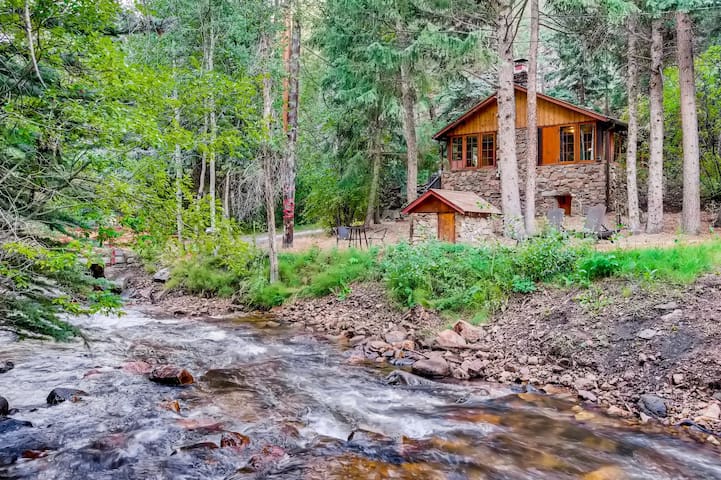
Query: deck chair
{"points": [[555, 218], [593, 226], [341, 233]]}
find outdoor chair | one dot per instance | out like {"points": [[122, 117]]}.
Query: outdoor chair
{"points": [[341, 233], [593, 226], [378, 235], [555, 218]]}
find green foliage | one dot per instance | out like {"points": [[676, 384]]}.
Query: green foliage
{"points": [[40, 284]]}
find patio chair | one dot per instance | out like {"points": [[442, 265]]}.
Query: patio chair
{"points": [[593, 226], [378, 235], [555, 218], [341, 233]]}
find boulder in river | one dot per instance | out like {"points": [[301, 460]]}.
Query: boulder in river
{"points": [[401, 377], [138, 368], [60, 395], [653, 405], [450, 339], [434, 366], [4, 407], [171, 375], [236, 441], [7, 366], [10, 424]]}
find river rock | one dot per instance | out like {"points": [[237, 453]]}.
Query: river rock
{"points": [[586, 395], [674, 316], [450, 339], [60, 395], [7, 366], [647, 334], [162, 275], [435, 366], [396, 336], [4, 407], [712, 412], [269, 455], [609, 472], [474, 367], [171, 375], [401, 377], [137, 368], [10, 424], [234, 440], [653, 405], [469, 333]]}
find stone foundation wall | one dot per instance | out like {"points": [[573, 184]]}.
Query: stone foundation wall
{"points": [[586, 182], [474, 229], [425, 227]]}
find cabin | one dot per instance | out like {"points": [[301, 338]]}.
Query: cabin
{"points": [[451, 216], [578, 151]]}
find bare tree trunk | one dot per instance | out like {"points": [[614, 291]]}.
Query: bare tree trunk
{"points": [[268, 157], [655, 163], [408, 99], [292, 125], [178, 156], [226, 196], [31, 44], [634, 221], [532, 122], [508, 163], [691, 214], [377, 156], [212, 123]]}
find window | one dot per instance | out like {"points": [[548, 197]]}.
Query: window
{"points": [[472, 151], [568, 144], [488, 149], [456, 151], [587, 143]]}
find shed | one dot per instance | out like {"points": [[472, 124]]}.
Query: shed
{"points": [[450, 216]]}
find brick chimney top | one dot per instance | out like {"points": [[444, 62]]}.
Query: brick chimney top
{"points": [[520, 72]]}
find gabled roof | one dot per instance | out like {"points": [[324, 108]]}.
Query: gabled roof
{"points": [[462, 202], [492, 98]]}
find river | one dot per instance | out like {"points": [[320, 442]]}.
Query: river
{"points": [[298, 401]]}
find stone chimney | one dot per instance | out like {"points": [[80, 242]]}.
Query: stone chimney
{"points": [[520, 72]]}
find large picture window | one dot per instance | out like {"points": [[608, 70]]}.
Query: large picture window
{"points": [[568, 144], [488, 149]]}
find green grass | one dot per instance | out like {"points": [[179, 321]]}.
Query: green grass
{"points": [[454, 279]]}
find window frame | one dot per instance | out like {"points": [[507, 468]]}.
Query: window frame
{"points": [[581, 146], [577, 126], [464, 151], [561, 147]]}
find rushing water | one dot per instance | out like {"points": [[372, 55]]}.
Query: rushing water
{"points": [[298, 401]]}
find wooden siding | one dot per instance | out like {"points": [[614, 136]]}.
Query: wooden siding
{"points": [[549, 114]]}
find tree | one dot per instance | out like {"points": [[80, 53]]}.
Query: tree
{"points": [[532, 122], [289, 174], [506, 98], [655, 164], [634, 222], [691, 214]]}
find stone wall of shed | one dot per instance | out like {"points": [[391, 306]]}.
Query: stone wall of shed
{"points": [[474, 230], [585, 182], [425, 227]]}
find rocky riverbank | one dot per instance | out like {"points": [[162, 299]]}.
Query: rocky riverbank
{"points": [[649, 355]]}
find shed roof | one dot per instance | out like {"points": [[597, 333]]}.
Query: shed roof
{"points": [[462, 202]]}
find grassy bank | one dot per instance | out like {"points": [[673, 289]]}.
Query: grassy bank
{"points": [[455, 279]]}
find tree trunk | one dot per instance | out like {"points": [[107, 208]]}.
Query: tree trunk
{"points": [[634, 222], [226, 196], [292, 125], [532, 122], [377, 157], [655, 164], [691, 214], [31, 44], [268, 157], [212, 124], [178, 157], [507, 161], [408, 99]]}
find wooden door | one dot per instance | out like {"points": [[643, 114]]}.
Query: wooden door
{"points": [[564, 202], [447, 227]]}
